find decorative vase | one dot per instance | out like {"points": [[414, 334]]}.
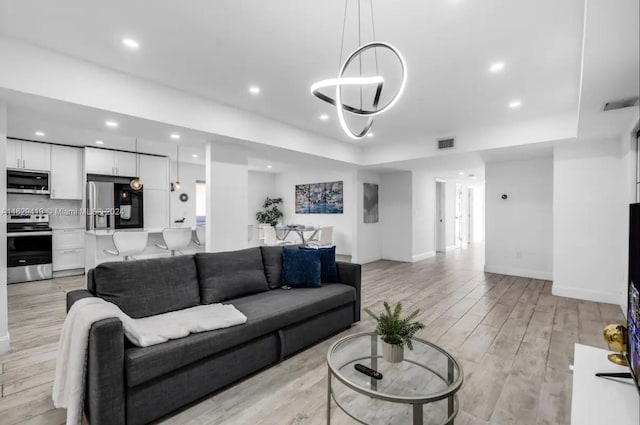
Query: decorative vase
{"points": [[392, 353]]}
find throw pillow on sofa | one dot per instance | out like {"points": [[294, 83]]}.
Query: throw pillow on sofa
{"points": [[301, 268], [328, 268]]}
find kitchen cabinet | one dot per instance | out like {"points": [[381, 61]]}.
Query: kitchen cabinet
{"points": [[68, 249], [66, 172], [156, 208], [154, 172], [28, 155], [111, 163]]}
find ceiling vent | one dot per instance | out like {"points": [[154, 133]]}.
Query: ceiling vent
{"points": [[446, 143], [622, 103]]}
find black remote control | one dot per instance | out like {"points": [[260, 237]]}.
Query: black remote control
{"points": [[368, 371]]}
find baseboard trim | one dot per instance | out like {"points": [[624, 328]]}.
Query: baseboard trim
{"points": [[513, 271], [366, 260], [423, 256], [5, 344], [586, 294]]}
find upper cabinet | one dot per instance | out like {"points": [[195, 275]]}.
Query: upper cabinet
{"points": [[28, 155], [154, 172], [66, 172], [112, 163]]}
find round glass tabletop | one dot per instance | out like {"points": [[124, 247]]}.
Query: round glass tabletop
{"points": [[427, 373]]}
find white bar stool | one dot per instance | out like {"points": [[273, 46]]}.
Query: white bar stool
{"points": [[176, 239], [128, 244]]}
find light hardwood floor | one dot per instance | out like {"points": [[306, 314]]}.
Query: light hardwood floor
{"points": [[513, 338]]}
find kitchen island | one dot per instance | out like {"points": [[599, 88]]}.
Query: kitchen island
{"points": [[97, 241]]}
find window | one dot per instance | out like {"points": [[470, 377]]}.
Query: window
{"points": [[201, 203]]}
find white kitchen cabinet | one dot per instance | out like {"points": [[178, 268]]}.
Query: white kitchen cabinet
{"points": [[154, 172], [28, 155], [68, 249], [156, 208], [111, 163], [66, 172], [125, 164]]}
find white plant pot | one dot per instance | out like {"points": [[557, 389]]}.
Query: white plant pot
{"points": [[392, 353]]}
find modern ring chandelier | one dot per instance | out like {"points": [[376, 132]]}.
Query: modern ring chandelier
{"points": [[375, 80]]}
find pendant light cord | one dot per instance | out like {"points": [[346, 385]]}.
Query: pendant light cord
{"points": [[360, 44], [373, 28], [344, 26]]}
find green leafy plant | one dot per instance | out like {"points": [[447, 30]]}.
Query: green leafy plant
{"points": [[392, 328], [271, 212]]}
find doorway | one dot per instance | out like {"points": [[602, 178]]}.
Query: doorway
{"points": [[458, 222], [440, 216], [470, 210]]}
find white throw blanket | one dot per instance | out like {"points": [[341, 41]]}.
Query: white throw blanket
{"points": [[68, 386]]}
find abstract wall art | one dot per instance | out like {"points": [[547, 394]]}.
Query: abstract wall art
{"points": [[370, 203], [319, 198]]}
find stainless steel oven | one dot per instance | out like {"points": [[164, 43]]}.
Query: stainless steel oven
{"points": [[29, 248]]}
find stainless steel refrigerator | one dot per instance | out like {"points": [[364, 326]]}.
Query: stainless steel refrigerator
{"points": [[113, 205]]}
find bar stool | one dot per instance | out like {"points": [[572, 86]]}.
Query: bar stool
{"points": [[176, 239], [128, 244], [200, 236]]}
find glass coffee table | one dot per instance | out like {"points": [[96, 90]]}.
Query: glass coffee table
{"points": [[420, 390]]}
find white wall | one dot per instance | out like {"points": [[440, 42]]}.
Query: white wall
{"points": [[369, 235], [261, 186], [396, 216], [343, 224], [424, 214], [189, 173], [519, 230], [477, 232], [4, 323], [591, 199]]}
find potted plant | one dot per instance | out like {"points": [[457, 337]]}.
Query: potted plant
{"points": [[271, 212], [395, 332]]}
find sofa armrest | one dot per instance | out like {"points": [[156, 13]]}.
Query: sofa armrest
{"points": [[351, 274], [105, 380], [74, 296]]}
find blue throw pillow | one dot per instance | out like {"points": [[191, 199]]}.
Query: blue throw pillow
{"points": [[328, 268], [301, 268]]}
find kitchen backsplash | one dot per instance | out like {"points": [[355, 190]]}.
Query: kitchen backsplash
{"points": [[63, 213]]}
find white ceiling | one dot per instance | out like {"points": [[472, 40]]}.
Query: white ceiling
{"points": [[217, 49]]}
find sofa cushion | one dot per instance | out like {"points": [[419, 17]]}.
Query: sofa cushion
{"points": [[148, 287], [232, 274], [301, 268], [272, 260], [328, 268], [266, 312]]}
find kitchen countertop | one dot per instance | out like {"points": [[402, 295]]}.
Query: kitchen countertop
{"points": [[110, 232]]}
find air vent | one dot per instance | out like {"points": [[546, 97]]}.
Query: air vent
{"points": [[446, 143], [622, 103]]}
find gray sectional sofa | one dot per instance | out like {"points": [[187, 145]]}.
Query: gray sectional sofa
{"points": [[126, 384]]}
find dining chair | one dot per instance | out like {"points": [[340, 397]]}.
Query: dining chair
{"points": [[325, 239], [200, 236], [176, 239], [270, 237], [128, 244]]}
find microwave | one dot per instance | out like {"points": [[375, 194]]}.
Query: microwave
{"points": [[19, 181]]}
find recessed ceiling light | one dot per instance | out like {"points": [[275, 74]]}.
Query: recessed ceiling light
{"points": [[255, 90], [39, 134], [514, 104], [112, 124], [324, 117], [496, 67], [131, 43], [461, 173], [99, 142], [175, 136], [370, 135], [269, 166], [195, 155]]}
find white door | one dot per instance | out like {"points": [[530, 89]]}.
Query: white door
{"points": [[156, 208], [470, 211], [66, 172], [14, 154], [36, 156], [440, 217], [458, 223], [125, 163], [99, 161], [154, 172]]}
